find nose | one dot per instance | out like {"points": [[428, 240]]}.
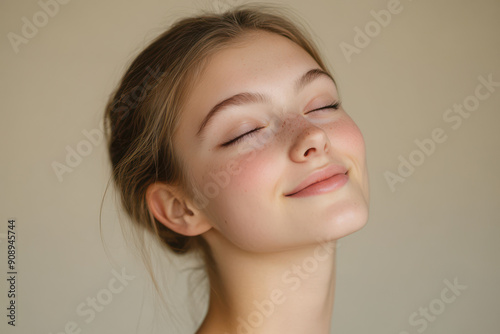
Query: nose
{"points": [[310, 142]]}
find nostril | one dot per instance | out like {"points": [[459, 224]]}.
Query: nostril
{"points": [[307, 152]]}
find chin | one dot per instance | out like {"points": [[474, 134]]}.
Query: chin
{"points": [[353, 217]]}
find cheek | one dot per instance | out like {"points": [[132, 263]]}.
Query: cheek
{"points": [[238, 192], [244, 173], [346, 136], [348, 139]]}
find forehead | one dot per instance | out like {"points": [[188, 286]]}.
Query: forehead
{"points": [[260, 62], [255, 55]]}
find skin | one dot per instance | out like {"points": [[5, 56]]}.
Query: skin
{"points": [[269, 249]]}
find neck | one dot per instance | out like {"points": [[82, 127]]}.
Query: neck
{"points": [[286, 292]]}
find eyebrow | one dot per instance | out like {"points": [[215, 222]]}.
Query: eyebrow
{"points": [[247, 98]]}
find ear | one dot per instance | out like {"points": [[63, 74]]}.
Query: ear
{"points": [[169, 207]]}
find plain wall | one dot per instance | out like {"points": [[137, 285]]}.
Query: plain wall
{"points": [[439, 223]]}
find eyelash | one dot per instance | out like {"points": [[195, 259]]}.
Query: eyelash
{"points": [[243, 136], [334, 106]]}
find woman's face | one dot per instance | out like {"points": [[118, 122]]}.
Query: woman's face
{"points": [[242, 186]]}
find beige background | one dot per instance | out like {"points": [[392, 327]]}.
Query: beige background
{"points": [[442, 223]]}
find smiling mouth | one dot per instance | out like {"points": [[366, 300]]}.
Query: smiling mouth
{"points": [[326, 185]]}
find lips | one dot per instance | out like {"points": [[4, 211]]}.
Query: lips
{"points": [[321, 181]]}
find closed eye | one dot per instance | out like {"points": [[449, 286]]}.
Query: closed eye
{"points": [[334, 106], [241, 137]]}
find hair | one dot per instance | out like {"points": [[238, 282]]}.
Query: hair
{"points": [[143, 113]]}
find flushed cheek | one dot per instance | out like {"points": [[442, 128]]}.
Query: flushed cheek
{"points": [[347, 142], [350, 141], [247, 191], [253, 171], [346, 135]]}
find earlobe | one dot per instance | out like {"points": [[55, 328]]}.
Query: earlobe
{"points": [[170, 209]]}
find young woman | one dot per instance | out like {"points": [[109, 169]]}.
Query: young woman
{"points": [[227, 136]]}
